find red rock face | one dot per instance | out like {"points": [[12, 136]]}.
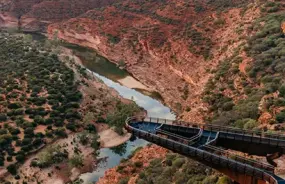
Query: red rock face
{"points": [[38, 14], [170, 46]]}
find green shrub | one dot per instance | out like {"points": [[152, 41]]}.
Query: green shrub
{"points": [[178, 162], [280, 118], [228, 106], [118, 117], [76, 160], [142, 175], [138, 164], [12, 168], [224, 180], [113, 39], [20, 158], [124, 181], [250, 124], [3, 117], [120, 168], [210, 180], [281, 90]]}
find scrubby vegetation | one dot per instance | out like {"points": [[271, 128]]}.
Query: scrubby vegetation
{"points": [[239, 98], [51, 155], [39, 99], [40, 102], [119, 116], [223, 5], [180, 170]]}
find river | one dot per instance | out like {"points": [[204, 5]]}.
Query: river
{"points": [[128, 87]]}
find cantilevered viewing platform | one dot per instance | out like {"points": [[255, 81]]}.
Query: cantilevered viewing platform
{"points": [[210, 144]]}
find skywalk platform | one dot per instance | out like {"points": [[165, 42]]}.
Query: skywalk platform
{"points": [[210, 144]]}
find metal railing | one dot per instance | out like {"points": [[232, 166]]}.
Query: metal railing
{"points": [[158, 120], [214, 141], [204, 156], [239, 158], [218, 128], [173, 136], [194, 139], [188, 141]]}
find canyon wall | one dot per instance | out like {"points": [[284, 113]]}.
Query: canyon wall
{"points": [[172, 50]]}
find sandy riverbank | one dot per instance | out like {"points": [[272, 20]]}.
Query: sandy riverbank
{"points": [[109, 138]]}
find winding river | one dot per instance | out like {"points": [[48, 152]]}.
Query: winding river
{"points": [[129, 88]]}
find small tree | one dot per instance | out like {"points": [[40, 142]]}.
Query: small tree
{"points": [[20, 158], [76, 160], [95, 144], [3, 117], [12, 169], [83, 138], [282, 90], [250, 124], [280, 117]]}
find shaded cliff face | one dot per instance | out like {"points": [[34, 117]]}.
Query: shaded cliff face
{"points": [[36, 15], [171, 46]]}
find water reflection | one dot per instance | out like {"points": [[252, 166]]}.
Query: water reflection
{"points": [[104, 68], [153, 107], [110, 159], [98, 64], [116, 78], [120, 150]]}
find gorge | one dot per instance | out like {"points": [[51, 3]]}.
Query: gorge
{"points": [[209, 61]]}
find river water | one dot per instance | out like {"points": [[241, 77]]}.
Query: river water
{"points": [[128, 87]]}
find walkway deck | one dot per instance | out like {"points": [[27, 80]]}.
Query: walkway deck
{"points": [[209, 143]]}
